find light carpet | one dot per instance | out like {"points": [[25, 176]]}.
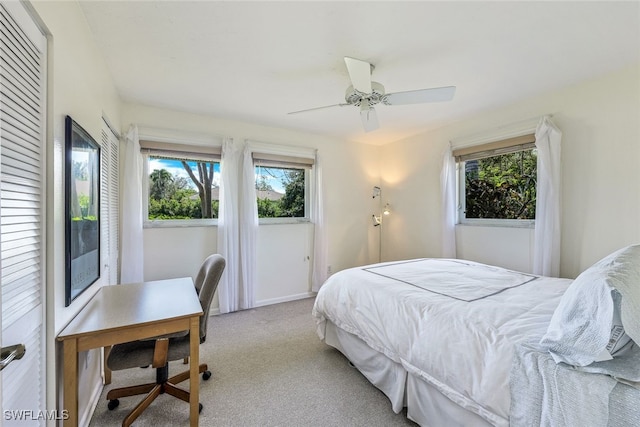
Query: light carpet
{"points": [[269, 369]]}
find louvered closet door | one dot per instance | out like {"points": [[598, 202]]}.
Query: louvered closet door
{"points": [[109, 204], [22, 133], [114, 208]]}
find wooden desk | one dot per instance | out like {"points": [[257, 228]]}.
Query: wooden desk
{"points": [[124, 313]]}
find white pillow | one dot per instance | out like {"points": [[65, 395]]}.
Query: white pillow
{"points": [[618, 339], [599, 313]]}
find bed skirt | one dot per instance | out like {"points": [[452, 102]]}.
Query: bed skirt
{"points": [[425, 404]]}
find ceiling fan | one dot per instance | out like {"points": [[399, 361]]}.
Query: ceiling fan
{"points": [[365, 93]]}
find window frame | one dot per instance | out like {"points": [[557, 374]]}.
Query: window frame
{"points": [[491, 149], [178, 150]]}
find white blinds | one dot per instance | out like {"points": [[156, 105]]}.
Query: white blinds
{"points": [[281, 156], [181, 151], [495, 148], [282, 161], [109, 205], [22, 95]]}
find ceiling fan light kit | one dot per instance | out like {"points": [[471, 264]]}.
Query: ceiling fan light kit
{"points": [[365, 93], [368, 116], [355, 97]]}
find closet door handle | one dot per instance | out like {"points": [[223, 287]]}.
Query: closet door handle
{"points": [[9, 354]]}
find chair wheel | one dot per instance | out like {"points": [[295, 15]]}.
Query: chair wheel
{"points": [[113, 404], [200, 407], [206, 375]]}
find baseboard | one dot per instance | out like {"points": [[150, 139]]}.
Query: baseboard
{"points": [[216, 310], [284, 299], [85, 418]]}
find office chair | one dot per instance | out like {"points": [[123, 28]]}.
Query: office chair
{"points": [[158, 352]]}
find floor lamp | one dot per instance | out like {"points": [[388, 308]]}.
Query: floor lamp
{"points": [[377, 219]]}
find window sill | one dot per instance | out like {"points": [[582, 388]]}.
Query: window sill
{"points": [[274, 221], [504, 223], [186, 223], [180, 223]]}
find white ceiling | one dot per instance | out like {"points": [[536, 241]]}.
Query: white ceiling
{"points": [[257, 61]]}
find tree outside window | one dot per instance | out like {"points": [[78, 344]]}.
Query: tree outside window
{"points": [[501, 187], [183, 189], [280, 192]]}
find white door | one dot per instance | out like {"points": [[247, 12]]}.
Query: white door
{"points": [[22, 213]]}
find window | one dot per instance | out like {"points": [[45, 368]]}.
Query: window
{"points": [[182, 185], [282, 187], [497, 182]]}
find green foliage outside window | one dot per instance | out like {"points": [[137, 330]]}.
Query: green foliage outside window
{"points": [[173, 197], [502, 187], [176, 197], [291, 204]]}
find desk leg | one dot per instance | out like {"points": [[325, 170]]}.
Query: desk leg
{"points": [[107, 371], [70, 398], [194, 384]]}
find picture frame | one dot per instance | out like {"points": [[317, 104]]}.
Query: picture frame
{"points": [[82, 210]]}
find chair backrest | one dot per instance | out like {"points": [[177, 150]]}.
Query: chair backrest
{"points": [[206, 284]]}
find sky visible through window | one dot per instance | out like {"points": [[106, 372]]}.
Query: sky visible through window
{"points": [[174, 167]]}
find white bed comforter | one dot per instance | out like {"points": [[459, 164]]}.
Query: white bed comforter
{"points": [[463, 348]]}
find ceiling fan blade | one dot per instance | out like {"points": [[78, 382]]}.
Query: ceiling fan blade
{"points": [[359, 73], [437, 94], [369, 117], [318, 108]]}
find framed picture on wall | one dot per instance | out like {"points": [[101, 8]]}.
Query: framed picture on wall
{"points": [[82, 210]]}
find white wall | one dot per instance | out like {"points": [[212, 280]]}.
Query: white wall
{"points": [[510, 248], [284, 253], [350, 170], [80, 86], [176, 252], [600, 163]]}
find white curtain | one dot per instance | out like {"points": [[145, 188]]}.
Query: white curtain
{"points": [[248, 231], [132, 250], [319, 274], [229, 227], [449, 208], [546, 255]]}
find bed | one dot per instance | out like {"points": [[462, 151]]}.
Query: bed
{"points": [[458, 342]]}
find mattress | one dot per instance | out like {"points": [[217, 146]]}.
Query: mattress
{"points": [[457, 338]]}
